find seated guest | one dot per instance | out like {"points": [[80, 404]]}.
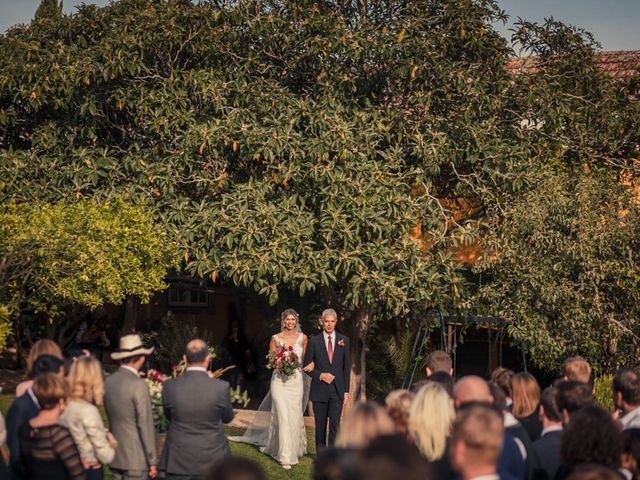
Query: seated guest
{"points": [[476, 443], [236, 468], [82, 417], [48, 450], [197, 407], [471, 390], [591, 437], [430, 421], [388, 457], [26, 407], [363, 423], [398, 405], [41, 347], [546, 450], [594, 472], [626, 397], [526, 401], [333, 464], [439, 361], [571, 396], [576, 369]]}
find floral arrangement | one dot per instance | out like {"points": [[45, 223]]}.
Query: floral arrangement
{"points": [[155, 379], [284, 360]]}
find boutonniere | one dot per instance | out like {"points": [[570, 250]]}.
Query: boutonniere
{"points": [[341, 343]]}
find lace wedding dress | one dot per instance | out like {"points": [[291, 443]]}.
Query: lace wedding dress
{"points": [[282, 410]]}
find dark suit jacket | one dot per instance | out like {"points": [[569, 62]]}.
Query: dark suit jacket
{"points": [[340, 367], [21, 411], [197, 408], [510, 462], [546, 458]]}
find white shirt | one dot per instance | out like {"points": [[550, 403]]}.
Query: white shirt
{"points": [[131, 369], [551, 428], [33, 397], [631, 419], [196, 369], [326, 336]]}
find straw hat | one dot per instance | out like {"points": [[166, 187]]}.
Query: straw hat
{"points": [[130, 346]]}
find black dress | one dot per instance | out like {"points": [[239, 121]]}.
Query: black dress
{"points": [[50, 452], [532, 424]]}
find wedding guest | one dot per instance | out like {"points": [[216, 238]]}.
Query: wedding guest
{"points": [[41, 347], [630, 457], [82, 417], [334, 463], [363, 423], [571, 396], [526, 401], [4, 471], [430, 419], [48, 450], [546, 450], [502, 377], [128, 405], [398, 405], [236, 468], [594, 472], [576, 369], [439, 361], [476, 441], [26, 407], [626, 396], [591, 437], [388, 457], [197, 407]]}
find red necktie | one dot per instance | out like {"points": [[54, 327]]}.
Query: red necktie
{"points": [[330, 350]]}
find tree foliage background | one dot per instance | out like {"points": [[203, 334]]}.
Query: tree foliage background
{"points": [[323, 147]]}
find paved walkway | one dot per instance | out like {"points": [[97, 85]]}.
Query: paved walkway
{"points": [[244, 418]]}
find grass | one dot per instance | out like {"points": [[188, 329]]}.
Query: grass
{"points": [[272, 469]]}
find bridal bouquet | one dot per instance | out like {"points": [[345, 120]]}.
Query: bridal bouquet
{"points": [[284, 360], [155, 379]]}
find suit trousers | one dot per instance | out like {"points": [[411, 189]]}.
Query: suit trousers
{"points": [[330, 410], [129, 474]]}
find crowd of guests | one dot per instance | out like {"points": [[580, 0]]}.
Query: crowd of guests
{"points": [[472, 429]]}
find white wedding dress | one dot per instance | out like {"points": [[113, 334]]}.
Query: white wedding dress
{"points": [[285, 438]]}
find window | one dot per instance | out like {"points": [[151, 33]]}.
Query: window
{"points": [[187, 294]]}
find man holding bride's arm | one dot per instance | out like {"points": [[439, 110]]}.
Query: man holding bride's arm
{"points": [[328, 362]]}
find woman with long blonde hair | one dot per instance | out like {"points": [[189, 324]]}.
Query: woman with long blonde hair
{"points": [[430, 420], [83, 419], [526, 403], [43, 346]]}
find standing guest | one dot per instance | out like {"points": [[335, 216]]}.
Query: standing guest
{"points": [[41, 347], [334, 464], [26, 407], [571, 396], [128, 405], [197, 407], [546, 450], [48, 450], [398, 405], [476, 442], [576, 369], [439, 361], [363, 423], [331, 360], [526, 402], [82, 417], [594, 472], [630, 458], [388, 457], [430, 420], [470, 390], [235, 468], [502, 378], [591, 437], [626, 397], [4, 471]]}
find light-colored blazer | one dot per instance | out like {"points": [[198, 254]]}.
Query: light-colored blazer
{"points": [[128, 404], [85, 424]]}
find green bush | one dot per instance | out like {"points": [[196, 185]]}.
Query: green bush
{"points": [[602, 388]]}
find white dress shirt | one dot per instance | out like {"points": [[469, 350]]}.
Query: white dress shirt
{"points": [[131, 369], [326, 336]]}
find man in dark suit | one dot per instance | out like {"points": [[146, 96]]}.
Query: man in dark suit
{"points": [[197, 408], [546, 450], [26, 407], [331, 372]]}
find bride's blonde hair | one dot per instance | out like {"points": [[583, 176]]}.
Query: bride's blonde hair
{"points": [[285, 314]]}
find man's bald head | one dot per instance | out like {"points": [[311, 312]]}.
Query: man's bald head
{"points": [[196, 352], [472, 389]]}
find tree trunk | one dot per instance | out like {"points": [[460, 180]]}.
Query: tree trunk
{"points": [[357, 328], [130, 315]]}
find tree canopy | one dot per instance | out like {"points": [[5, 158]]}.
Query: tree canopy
{"points": [[301, 144]]}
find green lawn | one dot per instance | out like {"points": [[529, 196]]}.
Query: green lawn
{"points": [[272, 468]]}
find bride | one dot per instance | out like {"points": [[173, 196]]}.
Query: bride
{"points": [[285, 438]]}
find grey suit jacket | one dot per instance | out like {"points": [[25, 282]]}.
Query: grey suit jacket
{"points": [[128, 404], [197, 408]]}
